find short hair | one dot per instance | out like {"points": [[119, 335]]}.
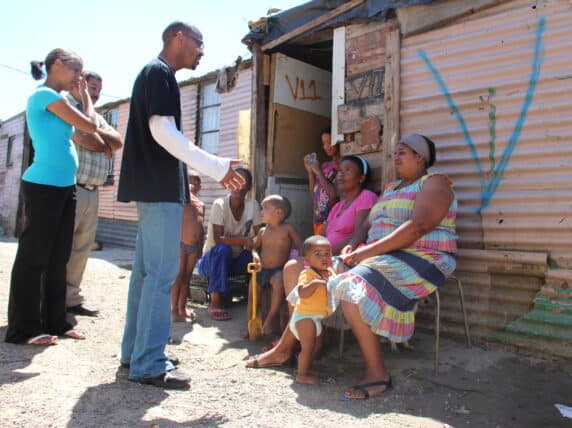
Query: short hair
{"points": [[281, 203], [174, 27], [314, 241], [246, 174], [326, 130], [64, 55], [92, 75]]}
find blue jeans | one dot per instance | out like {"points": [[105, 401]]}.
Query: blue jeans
{"points": [[218, 264], [154, 270]]}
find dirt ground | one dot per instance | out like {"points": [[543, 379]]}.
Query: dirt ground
{"points": [[78, 383]]}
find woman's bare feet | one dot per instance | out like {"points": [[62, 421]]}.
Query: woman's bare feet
{"points": [[306, 379], [74, 334], [43, 340]]}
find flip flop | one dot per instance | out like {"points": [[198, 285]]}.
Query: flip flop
{"points": [[256, 365], [364, 389], [218, 314], [74, 334], [42, 340]]}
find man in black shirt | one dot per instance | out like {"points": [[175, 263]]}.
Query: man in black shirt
{"points": [[154, 175]]}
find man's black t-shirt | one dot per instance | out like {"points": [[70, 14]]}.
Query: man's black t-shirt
{"points": [[148, 172]]}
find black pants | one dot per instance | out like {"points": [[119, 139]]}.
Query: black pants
{"points": [[38, 288]]}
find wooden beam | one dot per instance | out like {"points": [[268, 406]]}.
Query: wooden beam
{"points": [[312, 24], [391, 105], [259, 118], [338, 78]]}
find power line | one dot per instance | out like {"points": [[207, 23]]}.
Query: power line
{"points": [[15, 69]]}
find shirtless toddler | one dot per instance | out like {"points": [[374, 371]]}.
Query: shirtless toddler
{"points": [[274, 242]]}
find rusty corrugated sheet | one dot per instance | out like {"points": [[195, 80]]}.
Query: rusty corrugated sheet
{"points": [[232, 103], [493, 91]]}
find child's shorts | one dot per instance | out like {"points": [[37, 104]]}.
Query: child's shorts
{"points": [[298, 317], [263, 277]]}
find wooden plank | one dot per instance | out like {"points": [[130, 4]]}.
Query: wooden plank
{"points": [[350, 116], [357, 30], [312, 24], [259, 123], [338, 77], [417, 19], [365, 85], [365, 49], [391, 105]]}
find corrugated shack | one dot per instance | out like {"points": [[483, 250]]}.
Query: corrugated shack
{"points": [[489, 82]]}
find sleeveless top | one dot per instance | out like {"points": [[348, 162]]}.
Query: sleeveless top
{"points": [[395, 207]]}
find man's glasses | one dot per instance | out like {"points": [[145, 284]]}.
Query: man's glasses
{"points": [[198, 41]]}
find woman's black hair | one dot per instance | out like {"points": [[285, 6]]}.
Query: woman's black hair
{"points": [[432, 152], [326, 130], [63, 55], [359, 161]]}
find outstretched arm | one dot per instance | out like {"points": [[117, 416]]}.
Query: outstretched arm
{"points": [[165, 132]]}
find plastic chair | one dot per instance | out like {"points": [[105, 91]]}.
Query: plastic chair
{"points": [[438, 319]]}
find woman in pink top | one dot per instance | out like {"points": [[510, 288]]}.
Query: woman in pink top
{"points": [[347, 214]]}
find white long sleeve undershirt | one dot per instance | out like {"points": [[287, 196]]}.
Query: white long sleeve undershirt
{"points": [[165, 132]]}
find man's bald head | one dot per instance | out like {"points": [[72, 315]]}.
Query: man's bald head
{"points": [[187, 30]]}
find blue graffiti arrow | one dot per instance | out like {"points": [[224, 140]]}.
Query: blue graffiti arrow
{"points": [[488, 189]]}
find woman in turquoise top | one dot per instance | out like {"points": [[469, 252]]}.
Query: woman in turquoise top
{"points": [[36, 309]]}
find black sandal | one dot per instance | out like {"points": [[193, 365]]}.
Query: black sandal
{"points": [[364, 388]]}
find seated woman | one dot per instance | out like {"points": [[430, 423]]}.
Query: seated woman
{"points": [[229, 242], [350, 212], [344, 218], [409, 252]]}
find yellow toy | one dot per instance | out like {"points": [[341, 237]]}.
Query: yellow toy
{"points": [[255, 323]]}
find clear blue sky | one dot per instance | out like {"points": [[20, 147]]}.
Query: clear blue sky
{"points": [[115, 38]]}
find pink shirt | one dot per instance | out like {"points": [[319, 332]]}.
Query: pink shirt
{"points": [[341, 222]]}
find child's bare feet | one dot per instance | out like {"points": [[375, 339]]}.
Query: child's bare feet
{"points": [[306, 379]]}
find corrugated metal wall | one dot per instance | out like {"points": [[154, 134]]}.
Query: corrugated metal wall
{"points": [[232, 104], [493, 91], [10, 174]]}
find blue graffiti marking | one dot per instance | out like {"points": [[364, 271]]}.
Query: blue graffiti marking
{"points": [[464, 128], [534, 75], [488, 189]]}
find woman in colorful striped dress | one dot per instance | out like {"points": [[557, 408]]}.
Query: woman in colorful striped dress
{"points": [[409, 250]]}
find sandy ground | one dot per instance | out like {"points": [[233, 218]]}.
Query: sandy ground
{"points": [[78, 383]]}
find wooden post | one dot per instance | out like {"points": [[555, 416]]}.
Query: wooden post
{"points": [[338, 80], [391, 133], [259, 118]]}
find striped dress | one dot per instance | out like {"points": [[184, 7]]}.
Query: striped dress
{"points": [[385, 287]]}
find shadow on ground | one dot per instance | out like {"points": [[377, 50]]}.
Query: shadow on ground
{"points": [[15, 358]]}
